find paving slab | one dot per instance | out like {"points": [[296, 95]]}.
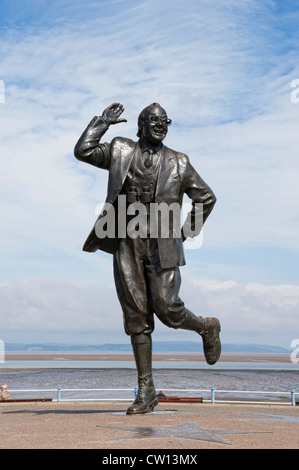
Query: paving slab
{"points": [[173, 426]]}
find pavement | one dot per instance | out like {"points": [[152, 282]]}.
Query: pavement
{"points": [[172, 426]]}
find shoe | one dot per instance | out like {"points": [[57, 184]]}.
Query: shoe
{"points": [[211, 340], [146, 399]]}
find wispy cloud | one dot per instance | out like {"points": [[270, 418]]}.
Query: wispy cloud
{"points": [[221, 69], [50, 307]]}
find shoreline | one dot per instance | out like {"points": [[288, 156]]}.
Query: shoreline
{"points": [[157, 356]]}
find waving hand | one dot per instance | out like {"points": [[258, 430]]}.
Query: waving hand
{"points": [[112, 113]]}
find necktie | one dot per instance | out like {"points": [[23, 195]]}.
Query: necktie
{"points": [[149, 158]]}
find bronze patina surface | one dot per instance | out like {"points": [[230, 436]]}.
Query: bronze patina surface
{"points": [[145, 176]]}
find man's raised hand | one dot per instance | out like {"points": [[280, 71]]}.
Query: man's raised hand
{"points": [[112, 113]]}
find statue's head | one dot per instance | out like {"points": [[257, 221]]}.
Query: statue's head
{"points": [[153, 124]]}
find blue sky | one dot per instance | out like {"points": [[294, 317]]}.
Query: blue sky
{"points": [[223, 71]]}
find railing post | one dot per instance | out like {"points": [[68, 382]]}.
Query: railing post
{"points": [[58, 393], [293, 397], [213, 395]]}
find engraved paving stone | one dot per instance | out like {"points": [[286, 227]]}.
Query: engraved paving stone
{"points": [[188, 430]]}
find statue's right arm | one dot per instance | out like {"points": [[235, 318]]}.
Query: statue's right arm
{"points": [[88, 149]]}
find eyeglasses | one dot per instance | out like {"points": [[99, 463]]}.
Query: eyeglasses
{"points": [[153, 119]]}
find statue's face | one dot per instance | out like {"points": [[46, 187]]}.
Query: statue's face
{"points": [[155, 125]]}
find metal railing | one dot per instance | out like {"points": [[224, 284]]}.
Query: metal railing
{"points": [[213, 391]]}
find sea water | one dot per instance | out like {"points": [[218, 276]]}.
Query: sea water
{"points": [[119, 378]]}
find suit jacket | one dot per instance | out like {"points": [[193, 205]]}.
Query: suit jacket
{"points": [[176, 177]]}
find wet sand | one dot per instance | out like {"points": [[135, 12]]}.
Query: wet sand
{"points": [[169, 356]]}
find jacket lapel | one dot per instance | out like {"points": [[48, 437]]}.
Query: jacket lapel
{"points": [[119, 167], [167, 165]]}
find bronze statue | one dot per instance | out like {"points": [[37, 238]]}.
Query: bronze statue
{"points": [[146, 267]]}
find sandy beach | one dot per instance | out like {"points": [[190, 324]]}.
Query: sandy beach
{"points": [[116, 356]]}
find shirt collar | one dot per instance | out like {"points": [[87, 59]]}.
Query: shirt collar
{"points": [[144, 147]]}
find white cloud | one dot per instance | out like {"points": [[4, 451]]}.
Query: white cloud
{"points": [[40, 308], [254, 170], [58, 78], [223, 72], [252, 313]]}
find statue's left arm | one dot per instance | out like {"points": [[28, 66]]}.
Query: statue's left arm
{"points": [[203, 201]]}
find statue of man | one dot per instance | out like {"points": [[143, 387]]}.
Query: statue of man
{"points": [[146, 268]]}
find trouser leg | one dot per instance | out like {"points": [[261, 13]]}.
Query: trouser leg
{"points": [[170, 309], [132, 290], [164, 286], [143, 289]]}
